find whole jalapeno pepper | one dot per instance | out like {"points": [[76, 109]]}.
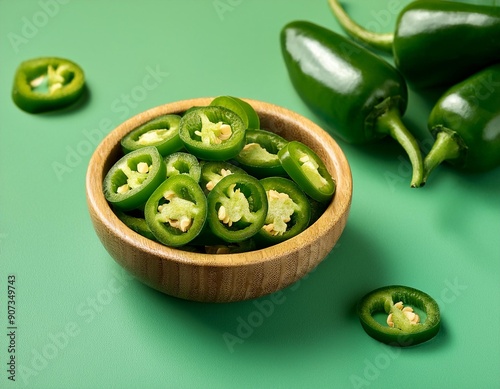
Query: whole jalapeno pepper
{"points": [[176, 211], [244, 110], [357, 93], [237, 207], [309, 172], [289, 211], [212, 133], [47, 84], [161, 132], [133, 178], [214, 171], [259, 156], [183, 163], [435, 43], [466, 124], [403, 326]]}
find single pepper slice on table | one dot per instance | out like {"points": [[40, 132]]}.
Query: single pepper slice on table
{"points": [[133, 178], [237, 207], [176, 211], [259, 156], [403, 326], [289, 211], [435, 43], [466, 124], [161, 132], [305, 167], [212, 133], [354, 91], [47, 84]]}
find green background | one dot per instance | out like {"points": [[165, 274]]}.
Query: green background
{"points": [[83, 323]]}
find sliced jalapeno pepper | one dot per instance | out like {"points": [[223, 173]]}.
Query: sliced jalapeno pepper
{"points": [[403, 324], [183, 163], [309, 172], [244, 110], [288, 211], [259, 157], [46, 84], [231, 248], [132, 179], [212, 133], [213, 171], [161, 132], [136, 223], [237, 207], [176, 211]]}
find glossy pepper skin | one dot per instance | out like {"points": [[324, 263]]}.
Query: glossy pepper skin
{"points": [[466, 124], [47, 84], [354, 91], [436, 43]]}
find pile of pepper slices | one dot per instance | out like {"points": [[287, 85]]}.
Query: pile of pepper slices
{"points": [[213, 180], [448, 46]]}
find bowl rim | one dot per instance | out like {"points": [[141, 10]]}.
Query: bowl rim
{"points": [[97, 204]]}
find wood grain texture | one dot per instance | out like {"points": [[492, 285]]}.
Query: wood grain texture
{"points": [[223, 277]]}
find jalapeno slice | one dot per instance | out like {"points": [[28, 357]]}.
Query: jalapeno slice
{"points": [[289, 211], [136, 223], [46, 84], [183, 163], [214, 171], [237, 207], [231, 248], [212, 133], [176, 211], [403, 326], [161, 132], [133, 178], [240, 107], [305, 167], [260, 154]]}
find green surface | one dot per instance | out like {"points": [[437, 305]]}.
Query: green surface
{"points": [[83, 323]]}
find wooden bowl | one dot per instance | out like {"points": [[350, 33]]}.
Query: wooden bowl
{"points": [[222, 277]]}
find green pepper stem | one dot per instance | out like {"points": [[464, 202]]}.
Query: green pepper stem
{"points": [[390, 123], [375, 40], [445, 147]]}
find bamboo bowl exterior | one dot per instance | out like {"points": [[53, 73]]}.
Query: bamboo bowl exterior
{"points": [[221, 277]]}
